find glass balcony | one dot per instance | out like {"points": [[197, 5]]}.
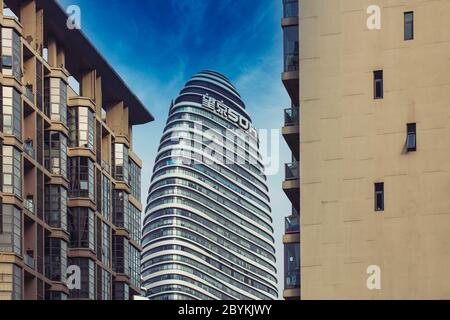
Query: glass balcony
{"points": [[292, 224], [292, 171], [29, 92], [291, 62], [28, 147], [291, 117], [290, 8], [292, 279]]}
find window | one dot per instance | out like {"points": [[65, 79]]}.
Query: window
{"points": [[378, 84], [106, 197], [106, 245], [55, 259], [290, 8], [87, 290], [411, 140], [121, 210], [409, 26], [55, 153], [12, 112], [121, 260], [56, 206], [135, 180], [11, 233], [12, 171], [82, 228], [81, 125], [121, 162], [292, 265], [17, 283], [82, 178], [291, 49], [379, 196], [56, 100], [11, 53]]}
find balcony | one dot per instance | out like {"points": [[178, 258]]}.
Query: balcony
{"points": [[290, 8], [28, 91], [29, 204], [29, 259], [291, 185], [28, 147], [291, 130], [292, 224]]}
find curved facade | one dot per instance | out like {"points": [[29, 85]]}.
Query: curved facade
{"points": [[208, 227]]}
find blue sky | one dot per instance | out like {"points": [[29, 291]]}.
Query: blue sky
{"points": [[157, 45]]}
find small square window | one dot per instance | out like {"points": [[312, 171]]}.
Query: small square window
{"points": [[411, 138], [379, 196], [7, 62], [378, 84], [409, 26]]}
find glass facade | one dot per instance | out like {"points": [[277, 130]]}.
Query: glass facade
{"points": [[12, 171], [291, 49], [292, 265], [11, 229], [208, 223], [82, 178], [55, 259], [56, 100], [82, 228], [81, 128], [11, 53], [87, 268], [135, 180], [121, 160], [12, 112], [56, 206], [55, 153]]}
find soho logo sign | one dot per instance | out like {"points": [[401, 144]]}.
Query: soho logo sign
{"points": [[225, 112]]}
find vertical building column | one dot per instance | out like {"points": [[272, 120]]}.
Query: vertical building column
{"points": [[88, 83], [52, 48], [99, 96], [61, 57], [28, 20], [117, 119], [39, 41]]}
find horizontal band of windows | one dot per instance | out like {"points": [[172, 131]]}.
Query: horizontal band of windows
{"points": [[176, 288], [219, 204], [229, 260], [197, 239], [222, 196], [194, 283], [212, 180], [210, 217], [194, 206], [194, 160], [225, 286], [245, 284], [209, 227]]}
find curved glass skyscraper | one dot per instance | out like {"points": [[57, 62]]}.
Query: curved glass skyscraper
{"points": [[208, 227]]}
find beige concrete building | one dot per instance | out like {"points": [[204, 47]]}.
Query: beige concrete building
{"points": [[375, 149]]}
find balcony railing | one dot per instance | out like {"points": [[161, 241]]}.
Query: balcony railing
{"points": [[29, 92], [292, 171], [28, 147], [290, 8], [292, 224], [29, 204], [291, 117]]}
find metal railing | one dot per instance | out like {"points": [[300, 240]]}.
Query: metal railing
{"points": [[291, 117], [292, 224], [292, 171]]}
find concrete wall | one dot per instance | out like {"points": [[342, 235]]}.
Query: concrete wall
{"points": [[349, 141]]}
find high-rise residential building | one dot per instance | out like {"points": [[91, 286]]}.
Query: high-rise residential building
{"points": [[291, 133], [70, 181], [208, 229], [375, 142]]}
